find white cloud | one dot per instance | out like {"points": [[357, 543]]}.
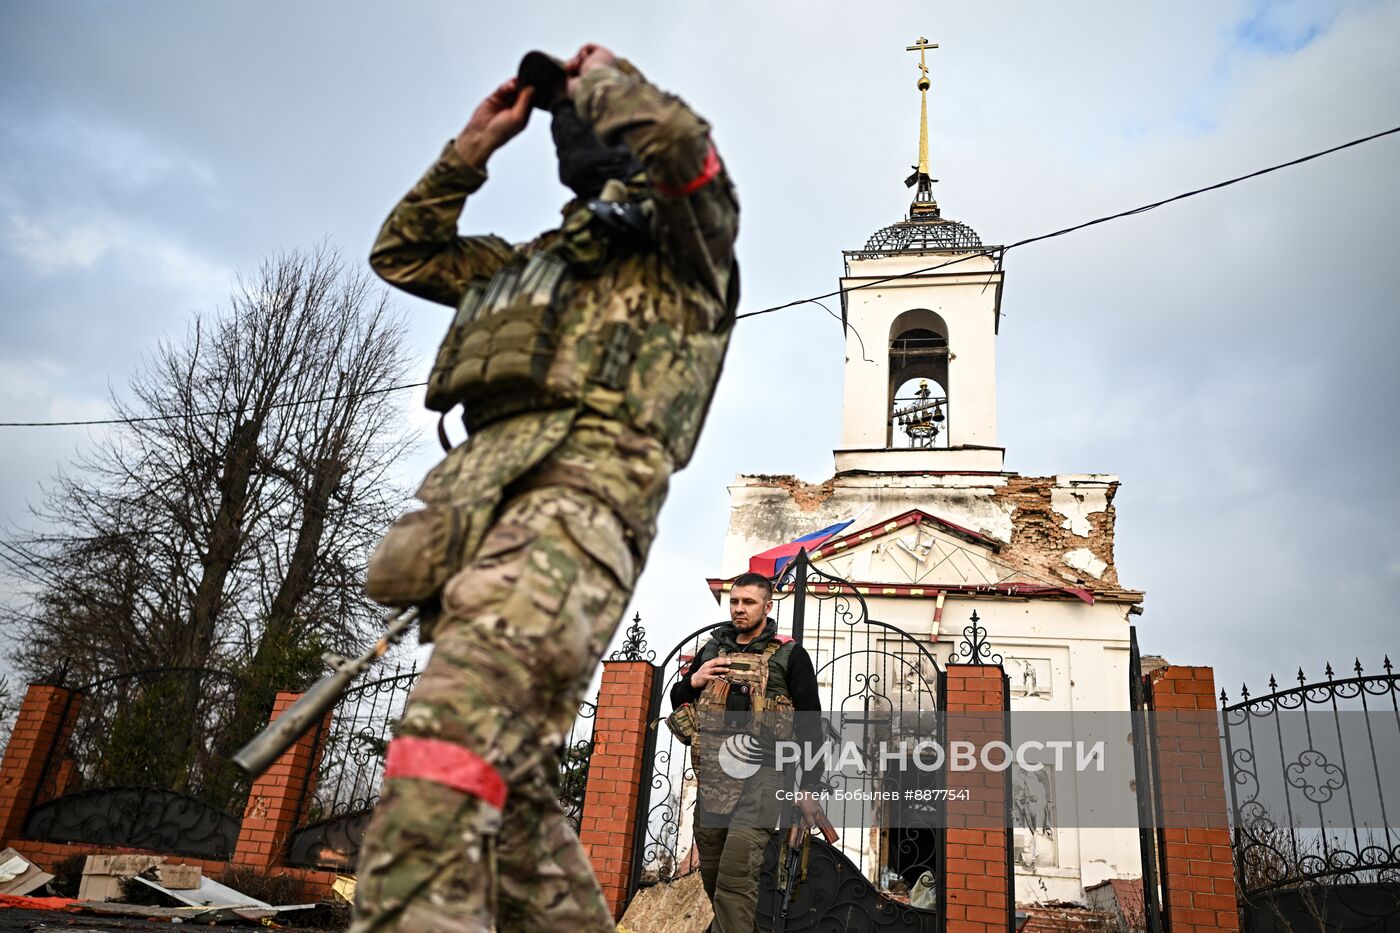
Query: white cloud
{"points": [[40, 390], [117, 156], [54, 246], [27, 381], [63, 241]]}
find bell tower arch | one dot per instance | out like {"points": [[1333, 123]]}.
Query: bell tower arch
{"points": [[918, 393], [927, 293]]}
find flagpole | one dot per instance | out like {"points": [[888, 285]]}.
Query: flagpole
{"points": [[799, 596], [862, 512]]}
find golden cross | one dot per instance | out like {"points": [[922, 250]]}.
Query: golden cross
{"points": [[923, 84], [920, 47]]}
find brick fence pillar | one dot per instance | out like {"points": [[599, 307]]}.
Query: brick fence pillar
{"points": [[1198, 877], [40, 735], [979, 892], [275, 797], [609, 827]]}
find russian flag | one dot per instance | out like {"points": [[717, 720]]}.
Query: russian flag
{"points": [[771, 562]]}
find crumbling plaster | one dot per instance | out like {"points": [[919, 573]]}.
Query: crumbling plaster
{"points": [[1056, 517], [1084, 559], [1058, 528], [1078, 498]]}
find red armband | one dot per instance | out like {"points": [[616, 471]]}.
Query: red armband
{"points": [[708, 171], [447, 764]]}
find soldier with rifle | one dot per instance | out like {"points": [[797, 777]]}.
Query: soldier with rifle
{"points": [[748, 688], [583, 363]]}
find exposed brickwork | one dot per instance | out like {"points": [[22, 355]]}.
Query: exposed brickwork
{"points": [[271, 814], [978, 891], [40, 728], [1039, 538], [1122, 899], [808, 497], [1198, 881], [609, 826]]}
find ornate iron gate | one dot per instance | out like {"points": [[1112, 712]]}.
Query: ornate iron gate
{"points": [[883, 681], [1312, 787]]}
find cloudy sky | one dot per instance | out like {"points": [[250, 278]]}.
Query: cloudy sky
{"points": [[1231, 358]]}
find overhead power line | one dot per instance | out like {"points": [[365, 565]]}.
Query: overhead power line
{"points": [[999, 252], [1003, 250]]}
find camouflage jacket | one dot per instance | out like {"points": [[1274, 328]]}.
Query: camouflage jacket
{"points": [[679, 296]]}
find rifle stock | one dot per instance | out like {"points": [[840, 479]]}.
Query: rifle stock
{"points": [[268, 745]]}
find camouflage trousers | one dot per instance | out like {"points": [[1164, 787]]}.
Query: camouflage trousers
{"points": [[730, 860], [523, 626]]}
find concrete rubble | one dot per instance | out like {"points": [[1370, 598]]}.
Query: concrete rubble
{"points": [[19, 876]]}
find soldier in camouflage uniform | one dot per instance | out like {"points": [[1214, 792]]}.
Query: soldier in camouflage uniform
{"points": [[536, 527], [747, 668]]}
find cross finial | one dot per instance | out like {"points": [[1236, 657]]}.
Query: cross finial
{"points": [[921, 47], [924, 194]]}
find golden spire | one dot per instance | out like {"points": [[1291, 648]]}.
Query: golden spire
{"points": [[924, 194]]}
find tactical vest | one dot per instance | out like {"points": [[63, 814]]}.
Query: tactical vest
{"points": [[750, 677], [594, 320]]}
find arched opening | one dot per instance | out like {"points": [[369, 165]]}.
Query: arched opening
{"points": [[918, 396]]}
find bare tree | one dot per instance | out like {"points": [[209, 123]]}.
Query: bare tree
{"points": [[226, 522]]}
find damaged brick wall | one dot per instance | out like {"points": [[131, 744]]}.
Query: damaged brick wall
{"points": [[789, 509], [808, 497], [1041, 540], [1057, 529]]}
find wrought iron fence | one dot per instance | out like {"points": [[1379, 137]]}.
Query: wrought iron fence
{"points": [[1310, 772], [147, 762], [339, 797], [352, 748], [875, 675]]}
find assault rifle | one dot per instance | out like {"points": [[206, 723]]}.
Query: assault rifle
{"points": [[795, 857], [268, 745]]}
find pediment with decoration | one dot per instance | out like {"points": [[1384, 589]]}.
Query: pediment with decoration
{"points": [[918, 549]]}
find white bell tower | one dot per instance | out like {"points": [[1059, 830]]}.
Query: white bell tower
{"points": [[935, 529], [920, 377]]}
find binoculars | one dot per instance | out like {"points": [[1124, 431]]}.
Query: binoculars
{"points": [[546, 75]]}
